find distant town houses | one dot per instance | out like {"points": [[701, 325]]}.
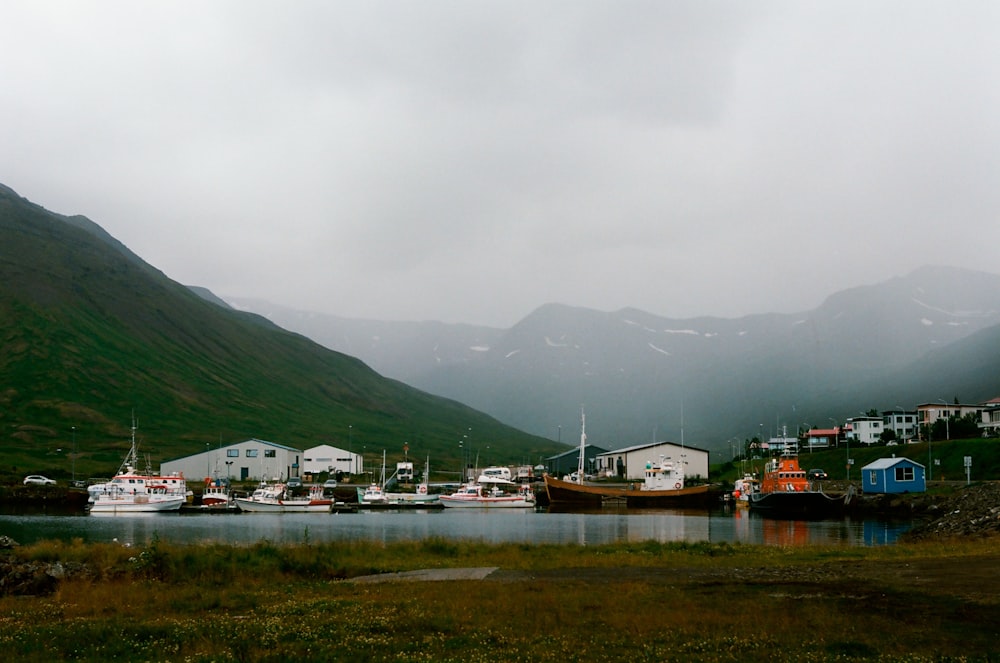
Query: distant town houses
{"points": [[904, 426]]}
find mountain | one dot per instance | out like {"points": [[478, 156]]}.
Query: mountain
{"points": [[92, 334], [704, 380]]}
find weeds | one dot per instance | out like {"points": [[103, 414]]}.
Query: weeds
{"points": [[270, 602]]}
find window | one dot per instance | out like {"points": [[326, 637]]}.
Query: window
{"points": [[904, 474], [232, 453], [873, 477], [269, 453], [251, 453]]}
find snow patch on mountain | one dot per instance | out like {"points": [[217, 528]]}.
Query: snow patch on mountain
{"points": [[640, 325], [660, 350], [480, 348], [955, 314], [681, 331]]}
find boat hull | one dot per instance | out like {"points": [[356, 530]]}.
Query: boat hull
{"points": [[568, 492], [513, 502], [284, 506], [129, 505], [800, 504]]}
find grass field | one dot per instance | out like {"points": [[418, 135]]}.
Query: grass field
{"points": [[625, 602]]}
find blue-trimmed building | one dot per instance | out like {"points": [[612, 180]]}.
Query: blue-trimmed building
{"points": [[893, 476]]}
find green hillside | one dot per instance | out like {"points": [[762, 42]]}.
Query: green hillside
{"points": [[91, 334], [945, 458]]}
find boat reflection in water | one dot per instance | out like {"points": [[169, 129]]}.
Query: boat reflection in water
{"points": [[588, 527]]}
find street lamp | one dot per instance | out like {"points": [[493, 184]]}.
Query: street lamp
{"points": [[229, 474], [73, 457]]}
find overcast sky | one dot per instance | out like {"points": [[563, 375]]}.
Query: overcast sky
{"points": [[470, 161]]}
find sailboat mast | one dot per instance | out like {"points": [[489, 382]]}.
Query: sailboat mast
{"points": [[583, 443]]}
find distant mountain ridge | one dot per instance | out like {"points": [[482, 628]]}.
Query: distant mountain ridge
{"points": [[643, 376], [91, 333]]}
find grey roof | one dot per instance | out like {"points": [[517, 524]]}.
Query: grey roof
{"points": [[886, 463], [649, 445], [575, 451]]}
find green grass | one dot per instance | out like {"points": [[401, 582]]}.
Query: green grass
{"points": [[950, 455], [267, 602]]}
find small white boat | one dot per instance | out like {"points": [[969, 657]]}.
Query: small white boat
{"points": [[476, 495], [273, 498], [743, 488], [421, 495], [375, 492], [216, 496]]}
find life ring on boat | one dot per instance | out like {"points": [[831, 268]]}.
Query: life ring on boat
{"points": [[422, 489], [677, 486]]}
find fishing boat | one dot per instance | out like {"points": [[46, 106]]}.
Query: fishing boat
{"points": [[132, 491], [663, 486], [480, 496], [421, 494], [217, 497], [274, 498], [743, 488], [785, 491], [375, 492]]}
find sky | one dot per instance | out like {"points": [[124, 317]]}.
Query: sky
{"points": [[470, 161]]}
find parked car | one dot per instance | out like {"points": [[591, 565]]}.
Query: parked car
{"points": [[38, 480], [294, 482], [817, 474], [329, 484]]}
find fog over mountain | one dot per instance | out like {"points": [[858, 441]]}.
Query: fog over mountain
{"points": [[703, 380]]}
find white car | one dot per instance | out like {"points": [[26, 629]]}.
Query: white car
{"points": [[38, 480]]}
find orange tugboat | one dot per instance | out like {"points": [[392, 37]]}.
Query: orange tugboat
{"points": [[785, 492]]}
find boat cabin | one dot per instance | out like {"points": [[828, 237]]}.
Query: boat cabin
{"points": [[783, 475]]}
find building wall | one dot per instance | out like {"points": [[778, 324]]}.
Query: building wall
{"points": [[251, 459], [326, 458], [883, 480], [865, 431], [634, 460]]}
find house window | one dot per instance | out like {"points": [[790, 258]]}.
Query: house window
{"points": [[269, 453], [251, 453], [904, 474], [232, 453]]}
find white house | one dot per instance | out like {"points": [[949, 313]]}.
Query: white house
{"points": [[630, 463], [901, 422], [326, 458], [865, 430], [248, 460]]}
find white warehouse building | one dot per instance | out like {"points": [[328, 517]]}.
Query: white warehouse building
{"points": [[630, 462], [248, 460], [326, 458]]}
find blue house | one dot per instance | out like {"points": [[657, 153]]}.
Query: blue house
{"points": [[893, 476]]}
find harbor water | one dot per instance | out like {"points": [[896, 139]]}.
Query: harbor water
{"points": [[732, 525]]}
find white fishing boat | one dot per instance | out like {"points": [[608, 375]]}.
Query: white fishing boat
{"points": [[217, 497], [131, 491], [480, 496], [274, 498], [421, 494], [375, 492]]}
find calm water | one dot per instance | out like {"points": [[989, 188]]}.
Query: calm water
{"points": [[735, 526]]}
